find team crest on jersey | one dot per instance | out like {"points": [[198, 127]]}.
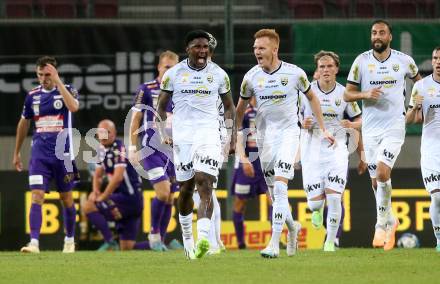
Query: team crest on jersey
{"points": [[68, 178], [166, 82], [210, 78], [371, 68], [57, 104], [260, 82], [36, 109], [338, 102], [431, 92], [185, 77], [396, 67], [284, 81]]}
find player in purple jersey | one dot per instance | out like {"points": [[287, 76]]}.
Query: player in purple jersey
{"points": [[50, 106], [121, 201], [248, 178], [158, 165]]}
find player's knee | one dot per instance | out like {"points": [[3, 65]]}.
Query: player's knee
{"points": [[315, 205], [239, 205], [38, 197], [89, 207], [67, 199], [383, 172]]}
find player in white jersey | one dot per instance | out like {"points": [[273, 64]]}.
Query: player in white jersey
{"points": [[377, 77], [275, 85], [425, 107], [324, 167], [215, 243], [194, 85]]}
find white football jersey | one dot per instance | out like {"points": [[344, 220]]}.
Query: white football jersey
{"points": [[276, 94], [333, 109], [388, 112], [195, 94], [429, 89]]}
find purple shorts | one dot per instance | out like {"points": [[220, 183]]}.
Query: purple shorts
{"points": [[159, 168], [130, 208], [245, 187], [42, 171]]}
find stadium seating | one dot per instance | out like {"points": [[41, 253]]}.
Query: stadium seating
{"points": [[401, 8], [306, 9], [105, 8], [57, 8], [18, 8]]}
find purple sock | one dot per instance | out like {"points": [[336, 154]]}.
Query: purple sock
{"points": [[157, 209], [98, 220], [324, 216], [339, 233], [166, 217], [239, 227], [142, 246], [35, 220], [69, 220]]}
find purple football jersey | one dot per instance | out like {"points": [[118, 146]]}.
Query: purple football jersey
{"points": [[50, 116], [146, 99], [115, 156]]}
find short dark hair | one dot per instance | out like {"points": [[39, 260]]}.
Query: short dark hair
{"points": [[380, 21], [196, 34], [437, 48], [44, 60]]}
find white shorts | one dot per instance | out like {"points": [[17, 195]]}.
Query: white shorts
{"points": [[384, 148], [324, 175], [277, 157], [431, 179], [191, 158]]}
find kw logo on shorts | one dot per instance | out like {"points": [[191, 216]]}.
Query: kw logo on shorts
{"points": [[208, 161], [284, 166], [372, 167], [312, 187], [388, 154], [336, 179], [182, 167], [432, 178], [269, 173]]}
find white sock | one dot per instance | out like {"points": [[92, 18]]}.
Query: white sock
{"points": [[279, 211], [35, 242], [203, 228], [383, 202], [434, 212], [69, 240], [333, 216], [218, 218], [290, 221], [315, 205], [187, 234]]}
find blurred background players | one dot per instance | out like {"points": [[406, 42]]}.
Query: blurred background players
{"points": [[248, 178], [424, 108], [324, 168], [121, 201], [275, 85], [50, 106], [194, 86], [377, 77], [158, 162]]}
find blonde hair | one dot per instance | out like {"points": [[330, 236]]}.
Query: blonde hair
{"points": [[323, 53], [169, 54], [270, 33]]}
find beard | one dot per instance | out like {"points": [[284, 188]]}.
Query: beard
{"points": [[379, 48]]}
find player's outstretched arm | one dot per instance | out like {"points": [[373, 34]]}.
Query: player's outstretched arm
{"points": [[161, 120], [114, 182], [230, 121], [22, 130], [71, 102], [353, 94]]}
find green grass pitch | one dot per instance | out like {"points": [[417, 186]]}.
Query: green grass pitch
{"points": [[312, 266]]}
